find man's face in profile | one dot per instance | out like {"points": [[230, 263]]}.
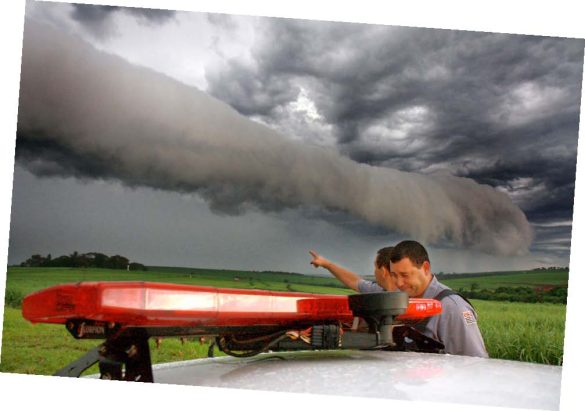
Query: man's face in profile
{"points": [[384, 277]]}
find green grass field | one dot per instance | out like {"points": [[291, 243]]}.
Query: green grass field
{"points": [[518, 279], [522, 331], [517, 331]]}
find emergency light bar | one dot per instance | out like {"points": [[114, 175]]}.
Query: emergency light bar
{"points": [[243, 322], [158, 304]]}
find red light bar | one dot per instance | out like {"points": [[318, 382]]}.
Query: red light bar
{"points": [[419, 308], [175, 305]]}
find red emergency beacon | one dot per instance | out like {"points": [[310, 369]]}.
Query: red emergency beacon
{"points": [[159, 304], [243, 322]]}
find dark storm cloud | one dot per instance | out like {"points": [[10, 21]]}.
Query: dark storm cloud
{"points": [[550, 189], [88, 114], [96, 18], [499, 109], [249, 94], [552, 239]]}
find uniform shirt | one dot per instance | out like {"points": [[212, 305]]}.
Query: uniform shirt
{"points": [[456, 326], [365, 287]]}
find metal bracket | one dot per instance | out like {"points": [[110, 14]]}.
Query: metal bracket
{"points": [[80, 365], [409, 339], [124, 357]]}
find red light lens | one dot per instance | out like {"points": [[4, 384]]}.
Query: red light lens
{"points": [[158, 304], [419, 308]]}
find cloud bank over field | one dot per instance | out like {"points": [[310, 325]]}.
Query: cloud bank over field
{"points": [[500, 109], [91, 115]]}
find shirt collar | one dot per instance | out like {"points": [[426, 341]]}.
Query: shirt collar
{"points": [[432, 289]]}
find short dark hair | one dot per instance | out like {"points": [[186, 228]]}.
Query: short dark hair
{"points": [[383, 257], [412, 250]]}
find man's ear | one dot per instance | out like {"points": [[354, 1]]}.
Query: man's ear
{"points": [[426, 266]]}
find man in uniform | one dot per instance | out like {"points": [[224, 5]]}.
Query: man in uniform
{"points": [[456, 326]]}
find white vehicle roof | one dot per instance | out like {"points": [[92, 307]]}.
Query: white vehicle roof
{"points": [[378, 374]]}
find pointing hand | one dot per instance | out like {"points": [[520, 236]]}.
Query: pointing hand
{"points": [[317, 260]]}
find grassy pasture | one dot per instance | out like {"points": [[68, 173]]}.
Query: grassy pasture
{"points": [[522, 331], [516, 279], [517, 331]]}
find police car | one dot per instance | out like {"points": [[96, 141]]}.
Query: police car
{"points": [[359, 345]]}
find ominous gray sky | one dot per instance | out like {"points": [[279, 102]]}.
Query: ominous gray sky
{"points": [[239, 142]]}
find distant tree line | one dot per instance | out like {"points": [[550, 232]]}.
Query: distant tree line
{"points": [[518, 294], [447, 276], [95, 260]]}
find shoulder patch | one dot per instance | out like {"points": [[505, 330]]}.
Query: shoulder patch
{"points": [[469, 317]]}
